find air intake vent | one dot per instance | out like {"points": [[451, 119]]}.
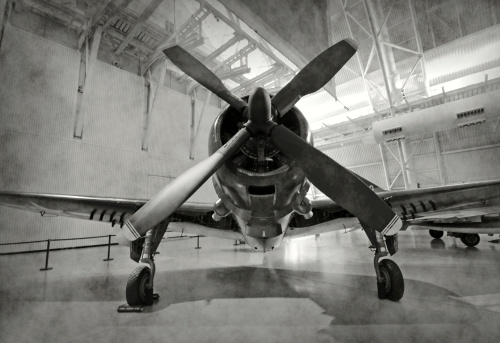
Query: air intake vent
{"points": [[261, 190], [388, 132], [471, 117], [470, 113], [393, 134]]}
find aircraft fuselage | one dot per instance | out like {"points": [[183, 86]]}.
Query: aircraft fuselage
{"points": [[259, 186]]}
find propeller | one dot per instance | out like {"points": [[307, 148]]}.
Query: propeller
{"points": [[337, 182], [204, 76], [330, 177], [314, 75], [170, 198]]}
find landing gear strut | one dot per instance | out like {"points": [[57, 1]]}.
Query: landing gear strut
{"points": [[390, 281], [470, 239], [139, 287], [436, 234], [139, 291]]}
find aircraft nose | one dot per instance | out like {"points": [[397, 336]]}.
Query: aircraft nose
{"points": [[259, 105]]}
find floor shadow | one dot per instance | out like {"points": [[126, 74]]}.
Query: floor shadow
{"points": [[437, 244], [350, 299]]}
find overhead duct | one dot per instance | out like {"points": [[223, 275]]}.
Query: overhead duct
{"points": [[460, 113]]}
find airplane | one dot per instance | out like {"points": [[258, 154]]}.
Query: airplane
{"points": [[471, 209], [262, 162]]}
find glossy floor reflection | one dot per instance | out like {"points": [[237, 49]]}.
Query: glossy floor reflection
{"points": [[308, 290]]}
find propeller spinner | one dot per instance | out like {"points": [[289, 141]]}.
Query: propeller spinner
{"points": [[327, 175]]}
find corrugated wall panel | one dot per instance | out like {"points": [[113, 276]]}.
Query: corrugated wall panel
{"points": [[428, 178], [40, 77], [462, 54], [170, 131], [467, 166], [211, 112], [373, 173], [33, 163], [423, 147], [114, 97], [468, 137], [39, 153], [425, 162], [355, 155]]}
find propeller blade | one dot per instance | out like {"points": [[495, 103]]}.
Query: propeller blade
{"points": [[314, 75], [168, 200], [204, 76], [338, 183]]}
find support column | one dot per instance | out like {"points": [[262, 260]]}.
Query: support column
{"points": [[384, 165], [411, 177], [439, 157], [403, 164], [3, 6], [89, 75], [391, 79], [420, 47], [197, 128], [384, 52], [151, 104]]}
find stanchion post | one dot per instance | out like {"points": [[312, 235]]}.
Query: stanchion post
{"points": [[47, 257], [198, 242], [109, 250]]}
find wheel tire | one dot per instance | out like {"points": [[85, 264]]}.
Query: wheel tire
{"points": [[436, 234], [470, 239], [393, 279], [136, 286]]}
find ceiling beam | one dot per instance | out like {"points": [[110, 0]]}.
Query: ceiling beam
{"points": [[310, 30], [257, 78], [116, 11], [135, 42], [222, 75], [138, 25], [236, 28], [94, 20], [185, 30], [61, 13], [216, 53]]}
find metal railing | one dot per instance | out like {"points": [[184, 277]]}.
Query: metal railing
{"points": [[47, 250]]}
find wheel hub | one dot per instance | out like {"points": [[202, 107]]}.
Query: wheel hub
{"points": [[386, 278], [142, 287]]}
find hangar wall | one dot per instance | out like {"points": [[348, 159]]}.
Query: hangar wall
{"points": [[39, 154], [469, 154]]}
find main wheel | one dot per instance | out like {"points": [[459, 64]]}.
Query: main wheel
{"points": [[393, 280], [436, 234], [470, 239], [136, 292]]}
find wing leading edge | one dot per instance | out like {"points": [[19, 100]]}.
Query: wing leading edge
{"points": [[191, 218]]}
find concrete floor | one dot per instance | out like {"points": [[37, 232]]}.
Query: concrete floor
{"points": [[308, 290]]}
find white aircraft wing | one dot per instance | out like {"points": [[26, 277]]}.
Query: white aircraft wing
{"points": [[463, 215], [191, 218], [347, 225]]}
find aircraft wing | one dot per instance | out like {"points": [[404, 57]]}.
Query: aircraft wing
{"points": [[464, 215], [191, 218], [347, 225]]}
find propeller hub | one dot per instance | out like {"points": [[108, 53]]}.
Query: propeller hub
{"points": [[259, 106]]}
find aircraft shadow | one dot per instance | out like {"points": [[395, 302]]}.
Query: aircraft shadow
{"points": [[349, 299]]}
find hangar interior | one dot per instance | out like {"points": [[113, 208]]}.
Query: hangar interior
{"points": [[90, 106]]}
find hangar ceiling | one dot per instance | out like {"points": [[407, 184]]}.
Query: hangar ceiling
{"points": [[264, 43]]}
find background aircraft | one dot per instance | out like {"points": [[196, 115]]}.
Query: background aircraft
{"points": [[262, 161]]}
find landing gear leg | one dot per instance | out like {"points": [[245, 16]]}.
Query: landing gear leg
{"points": [[390, 282], [139, 291]]}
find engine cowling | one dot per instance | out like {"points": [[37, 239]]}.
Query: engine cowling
{"points": [[259, 182]]}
